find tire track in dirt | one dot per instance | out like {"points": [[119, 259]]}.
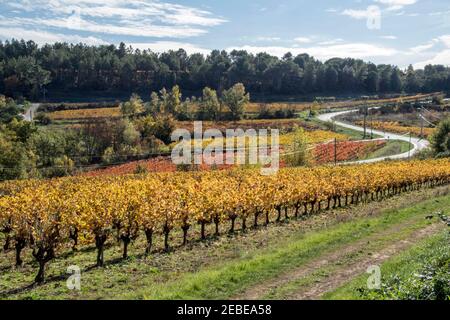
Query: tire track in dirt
{"points": [[258, 291], [350, 271]]}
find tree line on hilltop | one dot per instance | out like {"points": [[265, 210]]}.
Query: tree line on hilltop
{"points": [[28, 70]]}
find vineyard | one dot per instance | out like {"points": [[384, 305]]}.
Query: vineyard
{"points": [[159, 164], [85, 114], [398, 128], [346, 150], [50, 216], [314, 137], [305, 106]]}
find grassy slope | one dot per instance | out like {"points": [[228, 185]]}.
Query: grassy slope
{"points": [[404, 266], [325, 273], [220, 268], [392, 147]]}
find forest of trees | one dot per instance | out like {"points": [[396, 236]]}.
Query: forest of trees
{"points": [[30, 71]]}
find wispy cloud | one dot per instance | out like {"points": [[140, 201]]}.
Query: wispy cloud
{"points": [[331, 42], [421, 48], [267, 39], [389, 37], [43, 37], [389, 5], [164, 46], [143, 18], [356, 14], [303, 40], [439, 55], [393, 5], [352, 50], [442, 58]]}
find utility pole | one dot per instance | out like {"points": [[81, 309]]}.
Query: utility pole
{"points": [[410, 140], [421, 125], [371, 127], [365, 121], [335, 151]]}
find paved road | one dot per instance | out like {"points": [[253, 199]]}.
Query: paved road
{"points": [[419, 144], [31, 112]]}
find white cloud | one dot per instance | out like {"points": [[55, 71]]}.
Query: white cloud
{"points": [[356, 14], [445, 39], [349, 50], [421, 48], [389, 37], [331, 42], [303, 40], [394, 5], [43, 37], [163, 46], [439, 13], [434, 57], [148, 18], [268, 39], [442, 57], [129, 29]]}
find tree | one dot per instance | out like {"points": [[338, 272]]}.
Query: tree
{"points": [[441, 139], [412, 84], [9, 110], [165, 101], [236, 99], [298, 154], [385, 79], [15, 162], [133, 107], [154, 106], [210, 105], [38, 78], [309, 79], [396, 81], [371, 83], [27, 70], [331, 79], [174, 100], [163, 128]]}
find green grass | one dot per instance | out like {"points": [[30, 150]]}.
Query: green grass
{"points": [[392, 147], [403, 266], [373, 244], [235, 276], [352, 134]]}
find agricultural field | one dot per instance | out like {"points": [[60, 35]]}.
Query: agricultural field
{"points": [[85, 114], [396, 127], [170, 234], [405, 118], [254, 108]]}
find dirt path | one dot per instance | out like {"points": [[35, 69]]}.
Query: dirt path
{"points": [[353, 270], [345, 271]]}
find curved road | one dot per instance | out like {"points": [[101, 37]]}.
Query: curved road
{"points": [[419, 144]]}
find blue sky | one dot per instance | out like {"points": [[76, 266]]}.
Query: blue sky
{"points": [[398, 32]]}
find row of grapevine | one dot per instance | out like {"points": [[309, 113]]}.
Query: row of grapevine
{"points": [[396, 127], [345, 150], [47, 216]]}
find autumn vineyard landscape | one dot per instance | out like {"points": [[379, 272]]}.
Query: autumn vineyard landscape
{"points": [[87, 211], [220, 159]]}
